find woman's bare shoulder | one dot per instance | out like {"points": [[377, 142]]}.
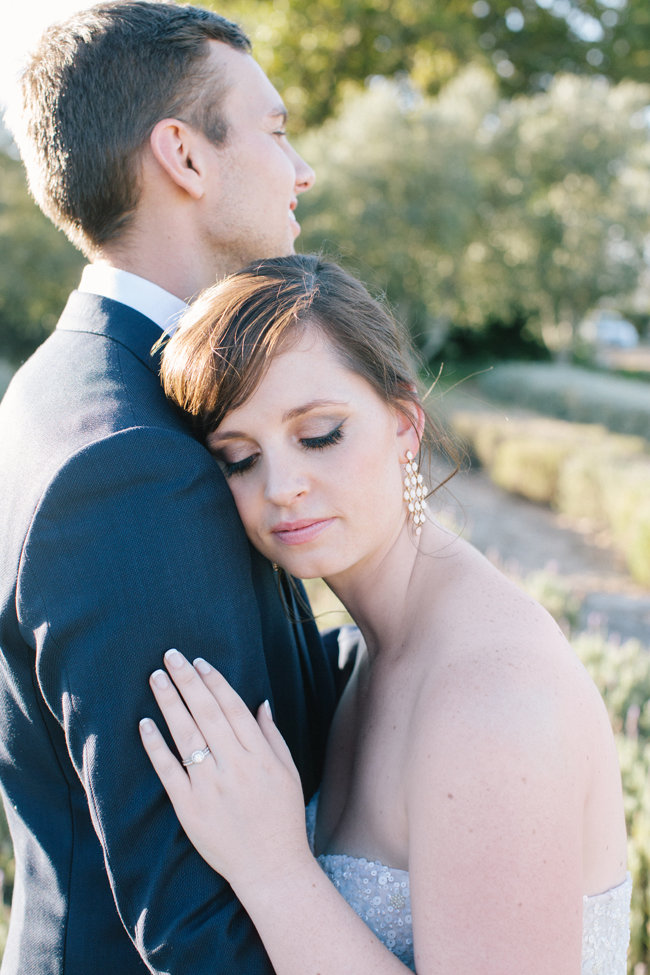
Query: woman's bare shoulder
{"points": [[499, 664]]}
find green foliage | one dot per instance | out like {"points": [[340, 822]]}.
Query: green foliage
{"points": [[316, 52], [622, 675], [553, 593], [5, 913], [6, 862], [568, 216], [7, 870], [38, 267], [469, 210], [6, 372], [499, 338]]}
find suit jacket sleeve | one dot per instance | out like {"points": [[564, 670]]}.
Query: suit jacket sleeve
{"points": [[134, 548]]}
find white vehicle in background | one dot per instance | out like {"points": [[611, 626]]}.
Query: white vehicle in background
{"points": [[608, 328]]}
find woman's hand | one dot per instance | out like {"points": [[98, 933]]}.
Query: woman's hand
{"points": [[242, 805]]}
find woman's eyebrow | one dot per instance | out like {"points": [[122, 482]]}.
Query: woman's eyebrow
{"points": [[297, 411], [315, 404]]}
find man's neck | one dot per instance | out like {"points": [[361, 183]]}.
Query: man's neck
{"points": [[182, 270], [136, 292]]}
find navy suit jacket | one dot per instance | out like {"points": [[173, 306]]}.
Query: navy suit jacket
{"points": [[119, 539]]}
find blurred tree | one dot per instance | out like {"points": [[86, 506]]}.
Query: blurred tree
{"points": [[314, 51], [38, 267], [566, 203], [397, 194], [468, 207]]}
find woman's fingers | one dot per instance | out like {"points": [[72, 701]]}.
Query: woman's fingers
{"points": [[212, 713], [166, 766], [273, 736], [250, 769], [240, 719], [183, 729], [193, 717]]}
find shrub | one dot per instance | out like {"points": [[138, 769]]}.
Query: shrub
{"points": [[580, 469], [586, 472], [529, 467], [621, 405], [499, 337], [622, 675]]}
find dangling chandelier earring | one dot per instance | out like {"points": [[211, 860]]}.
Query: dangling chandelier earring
{"points": [[414, 492]]}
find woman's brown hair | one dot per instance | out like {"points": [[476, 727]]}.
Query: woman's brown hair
{"points": [[226, 340]]}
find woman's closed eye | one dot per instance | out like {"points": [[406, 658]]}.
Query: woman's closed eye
{"points": [[327, 440], [241, 465], [231, 467]]}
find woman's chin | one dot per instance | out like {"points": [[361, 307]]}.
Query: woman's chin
{"points": [[310, 568]]}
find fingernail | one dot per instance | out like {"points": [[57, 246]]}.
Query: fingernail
{"points": [[146, 726], [174, 659], [160, 678], [202, 665], [267, 708]]}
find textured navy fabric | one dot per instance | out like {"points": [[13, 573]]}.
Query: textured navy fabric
{"points": [[118, 540]]}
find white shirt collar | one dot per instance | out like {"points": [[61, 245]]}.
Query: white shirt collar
{"points": [[144, 296]]}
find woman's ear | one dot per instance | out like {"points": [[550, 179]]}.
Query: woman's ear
{"points": [[410, 426], [177, 149]]}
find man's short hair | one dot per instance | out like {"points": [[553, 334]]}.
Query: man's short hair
{"points": [[92, 93]]}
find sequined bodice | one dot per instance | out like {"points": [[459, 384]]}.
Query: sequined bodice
{"points": [[381, 897]]}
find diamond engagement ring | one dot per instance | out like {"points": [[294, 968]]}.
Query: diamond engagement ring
{"points": [[197, 757]]}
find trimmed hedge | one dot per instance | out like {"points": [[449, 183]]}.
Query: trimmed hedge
{"points": [[581, 470], [570, 393]]}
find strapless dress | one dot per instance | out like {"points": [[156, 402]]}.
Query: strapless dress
{"points": [[380, 895]]}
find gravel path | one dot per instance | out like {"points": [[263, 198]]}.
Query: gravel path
{"points": [[517, 534]]}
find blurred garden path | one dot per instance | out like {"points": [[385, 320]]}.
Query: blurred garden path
{"points": [[524, 537]]}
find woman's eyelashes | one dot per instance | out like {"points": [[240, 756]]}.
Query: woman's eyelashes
{"points": [[232, 467], [327, 440], [237, 466]]}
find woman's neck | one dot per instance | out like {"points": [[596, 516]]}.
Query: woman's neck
{"points": [[380, 592]]}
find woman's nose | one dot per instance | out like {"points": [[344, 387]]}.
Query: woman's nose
{"points": [[284, 487]]}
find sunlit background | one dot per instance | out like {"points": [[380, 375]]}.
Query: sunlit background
{"points": [[486, 166], [23, 22]]}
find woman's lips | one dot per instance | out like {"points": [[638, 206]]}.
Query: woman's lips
{"points": [[297, 532]]}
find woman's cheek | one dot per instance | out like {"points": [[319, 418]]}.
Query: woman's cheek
{"points": [[243, 504]]}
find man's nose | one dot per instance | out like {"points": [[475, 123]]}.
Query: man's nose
{"points": [[305, 175]]}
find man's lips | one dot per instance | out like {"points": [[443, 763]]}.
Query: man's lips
{"points": [[292, 214], [297, 532]]}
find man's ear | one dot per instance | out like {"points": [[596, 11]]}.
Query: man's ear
{"points": [[179, 150], [410, 426]]}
